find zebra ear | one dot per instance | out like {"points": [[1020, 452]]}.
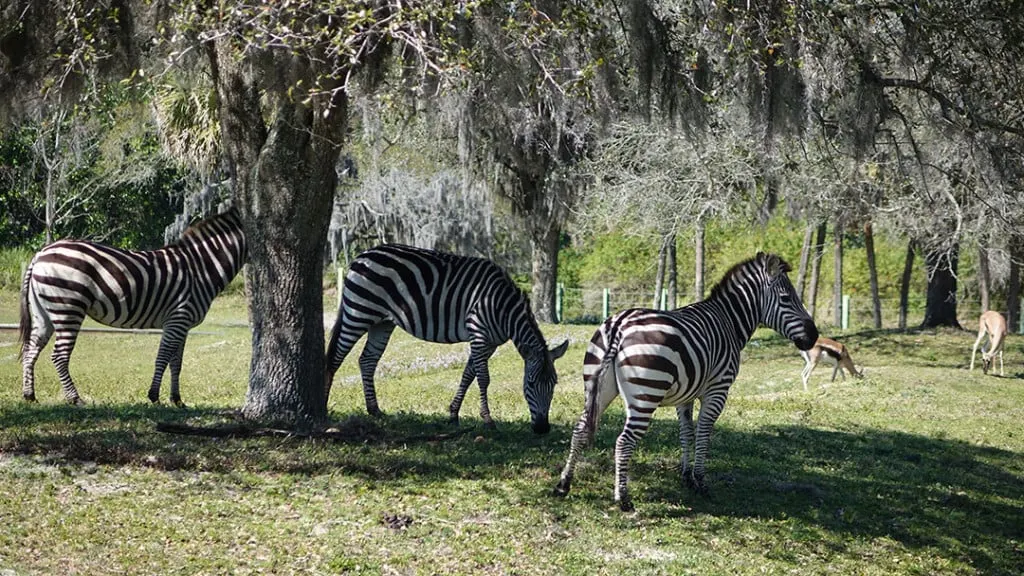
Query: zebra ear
{"points": [[558, 351], [775, 265]]}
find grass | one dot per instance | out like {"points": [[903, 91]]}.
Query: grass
{"points": [[917, 469]]}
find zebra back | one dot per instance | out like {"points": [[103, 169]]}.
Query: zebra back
{"points": [[139, 289]]}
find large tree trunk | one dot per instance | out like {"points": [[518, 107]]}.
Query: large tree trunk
{"points": [[940, 308], [869, 247], [670, 271], [819, 251], [284, 178], [698, 273], [908, 269], [837, 285], [984, 279], [546, 234], [659, 277], [1013, 286], [805, 253]]}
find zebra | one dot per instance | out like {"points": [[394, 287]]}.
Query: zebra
{"points": [[671, 358], [169, 288], [441, 297]]}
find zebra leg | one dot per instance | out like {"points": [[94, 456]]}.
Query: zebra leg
{"points": [[175, 365], [710, 408], [686, 440], [476, 366], [586, 427], [42, 330], [346, 332], [631, 434], [67, 334], [170, 343], [479, 357], [376, 341], [468, 374]]}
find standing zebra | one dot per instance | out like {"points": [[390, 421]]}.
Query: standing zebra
{"points": [[446, 298], [169, 288], [671, 358]]}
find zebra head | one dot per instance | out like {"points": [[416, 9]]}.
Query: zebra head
{"points": [[539, 380], [781, 307]]}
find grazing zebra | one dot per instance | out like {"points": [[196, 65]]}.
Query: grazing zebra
{"points": [[671, 358], [446, 298], [169, 288]]}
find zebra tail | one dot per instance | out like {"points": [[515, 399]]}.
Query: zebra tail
{"points": [[25, 322], [593, 389]]}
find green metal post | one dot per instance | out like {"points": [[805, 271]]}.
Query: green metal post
{"points": [[605, 304], [664, 298], [846, 311]]}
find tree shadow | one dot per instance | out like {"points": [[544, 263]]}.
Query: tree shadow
{"points": [[964, 501], [951, 497]]}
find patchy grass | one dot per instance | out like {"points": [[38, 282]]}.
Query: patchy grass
{"points": [[917, 469]]}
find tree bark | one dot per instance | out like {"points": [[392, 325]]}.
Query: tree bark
{"points": [[671, 271], [698, 273], [805, 252], [869, 247], [940, 308], [1013, 286], [819, 252], [908, 269], [984, 279], [546, 234], [837, 284], [659, 277], [282, 155]]}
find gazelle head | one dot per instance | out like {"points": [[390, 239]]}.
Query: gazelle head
{"points": [[781, 308]]}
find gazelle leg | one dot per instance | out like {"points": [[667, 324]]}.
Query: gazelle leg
{"points": [[974, 350]]}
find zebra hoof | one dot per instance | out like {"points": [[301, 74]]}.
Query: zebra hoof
{"points": [[562, 488], [626, 505], [453, 420], [177, 402], [375, 413], [696, 484], [154, 397], [76, 401], [30, 397], [489, 424]]}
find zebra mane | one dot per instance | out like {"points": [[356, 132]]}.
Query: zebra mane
{"points": [[761, 257], [197, 230]]}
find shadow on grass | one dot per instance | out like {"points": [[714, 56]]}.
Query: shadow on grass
{"points": [[960, 500]]}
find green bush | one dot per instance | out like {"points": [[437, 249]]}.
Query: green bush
{"points": [[11, 262]]}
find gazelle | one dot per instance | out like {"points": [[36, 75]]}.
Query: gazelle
{"points": [[834, 353], [993, 324]]}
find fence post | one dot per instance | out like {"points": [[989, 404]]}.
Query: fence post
{"points": [[846, 311], [605, 304], [559, 294], [664, 298]]}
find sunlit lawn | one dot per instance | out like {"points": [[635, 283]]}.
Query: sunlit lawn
{"points": [[917, 469]]}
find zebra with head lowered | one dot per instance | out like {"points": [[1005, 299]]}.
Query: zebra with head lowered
{"points": [[441, 297], [671, 358], [169, 288]]}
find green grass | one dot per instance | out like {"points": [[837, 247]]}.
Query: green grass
{"points": [[917, 469]]}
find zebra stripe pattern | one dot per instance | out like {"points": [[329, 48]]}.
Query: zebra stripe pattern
{"points": [[671, 358], [169, 288], [440, 297]]}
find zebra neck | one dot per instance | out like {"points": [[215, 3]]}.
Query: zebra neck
{"points": [[524, 332], [739, 306]]}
